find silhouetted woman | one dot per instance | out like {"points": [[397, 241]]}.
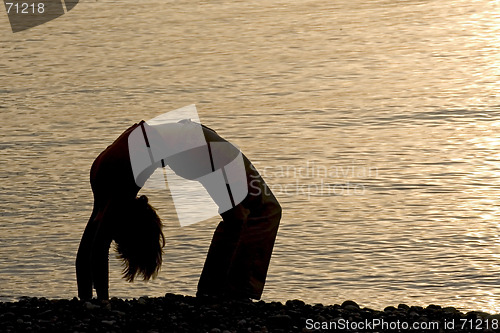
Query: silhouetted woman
{"points": [[239, 254]]}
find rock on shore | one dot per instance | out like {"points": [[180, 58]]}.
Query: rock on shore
{"points": [[177, 313]]}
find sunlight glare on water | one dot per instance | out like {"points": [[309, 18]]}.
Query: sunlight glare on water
{"points": [[374, 122]]}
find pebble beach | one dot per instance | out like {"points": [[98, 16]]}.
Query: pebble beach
{"points": [[177, 313]]}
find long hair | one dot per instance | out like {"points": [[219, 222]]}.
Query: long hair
{"points": [[139, 240]]}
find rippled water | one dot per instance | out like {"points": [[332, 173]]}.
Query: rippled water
{"points": [[375, 122]]}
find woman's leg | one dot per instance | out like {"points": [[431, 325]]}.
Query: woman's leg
{"points": [[239, 257], [225, 241], [248, 271]]}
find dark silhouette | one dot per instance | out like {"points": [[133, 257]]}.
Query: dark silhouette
{"points": [[239, 255]]}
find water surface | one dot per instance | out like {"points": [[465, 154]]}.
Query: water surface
{"points": [[375, 123]]}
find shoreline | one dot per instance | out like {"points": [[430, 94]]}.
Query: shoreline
{"points": [[178, 313]]}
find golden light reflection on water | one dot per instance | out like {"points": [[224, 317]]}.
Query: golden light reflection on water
{"points": [[410, 89]]}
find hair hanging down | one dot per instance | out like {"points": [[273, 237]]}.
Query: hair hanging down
{"points": [[139, 241]]}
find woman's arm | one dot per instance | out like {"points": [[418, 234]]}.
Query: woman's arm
{"points": [[83, 263], [92, 258], [99, 259]]}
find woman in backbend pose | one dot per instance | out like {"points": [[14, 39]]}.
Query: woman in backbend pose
{"points": [[241, 248]]}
